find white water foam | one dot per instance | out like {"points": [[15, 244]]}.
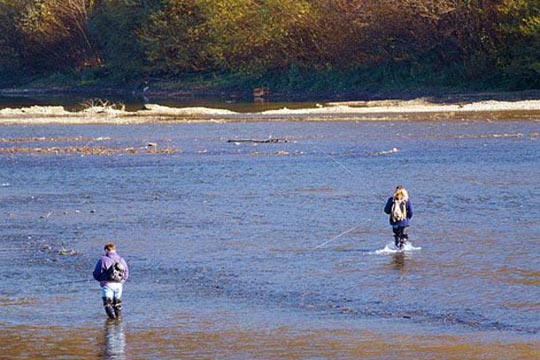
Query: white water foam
{"points": [[392, 249]]}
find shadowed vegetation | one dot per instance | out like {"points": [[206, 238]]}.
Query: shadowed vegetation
{"points": [[288, 45]]}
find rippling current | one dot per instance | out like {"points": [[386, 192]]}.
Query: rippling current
{"points": [[283, 237]]}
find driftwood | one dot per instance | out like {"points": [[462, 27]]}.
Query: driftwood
{"points": [[267, 141]]}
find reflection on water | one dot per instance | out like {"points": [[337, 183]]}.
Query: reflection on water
{"points": [[114, 340], [209, 341], [398, 261]]}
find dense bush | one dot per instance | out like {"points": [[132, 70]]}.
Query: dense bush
{"points": [[114, 27], [340, 43], [519, 55]]}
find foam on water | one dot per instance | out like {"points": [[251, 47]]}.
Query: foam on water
{"points": [[392, 249]]}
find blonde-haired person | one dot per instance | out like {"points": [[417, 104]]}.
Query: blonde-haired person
{"points": [[399, 207], [112, 272]]}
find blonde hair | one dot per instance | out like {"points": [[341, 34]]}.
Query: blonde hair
{"points": [[401, 193], [109, 247]]}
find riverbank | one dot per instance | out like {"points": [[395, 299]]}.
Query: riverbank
{"points": [[170, 90], [416, 109]]}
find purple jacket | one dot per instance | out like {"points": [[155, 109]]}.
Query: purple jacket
{"points": [[388, 210], [106, 261]]}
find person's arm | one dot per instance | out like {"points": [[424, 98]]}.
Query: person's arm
{"points": [[388, 207], [126, 274], [98, 270], [409, 209]]}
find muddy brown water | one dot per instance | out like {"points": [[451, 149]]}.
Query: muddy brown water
{"points": [[223, 240]]}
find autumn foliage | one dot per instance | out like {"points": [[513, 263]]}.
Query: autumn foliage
{"points": [[433, 41]]}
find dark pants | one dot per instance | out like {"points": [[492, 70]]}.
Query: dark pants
{"points": [[113, 307], [401, 235]]}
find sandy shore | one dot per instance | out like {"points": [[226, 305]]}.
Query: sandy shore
{"points": [[418, 109]]}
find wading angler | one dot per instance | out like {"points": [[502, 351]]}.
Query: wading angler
{"points": [[400, 209], [112, 272]]}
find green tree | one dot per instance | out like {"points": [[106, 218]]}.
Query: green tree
{"points": [[55, 35], [470, 37], [255, 36], [114, 27], [519, 52], [176, 38], [246, 36], [295, 40], [10, 38]]}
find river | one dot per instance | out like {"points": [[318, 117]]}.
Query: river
{"points": [[243, 250]]}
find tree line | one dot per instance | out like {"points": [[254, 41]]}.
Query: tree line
{"points": [[338, 42]]}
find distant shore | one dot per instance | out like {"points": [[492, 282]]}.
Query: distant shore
{"points": [[417, 109]]}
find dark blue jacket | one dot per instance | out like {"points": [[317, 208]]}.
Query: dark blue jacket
{"points": [[106, 261], [388, 210]]}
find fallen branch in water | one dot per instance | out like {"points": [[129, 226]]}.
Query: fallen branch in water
{"points": [[258, 141]]}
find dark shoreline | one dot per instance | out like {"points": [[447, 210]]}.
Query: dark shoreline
{"points": [[165, 93]]}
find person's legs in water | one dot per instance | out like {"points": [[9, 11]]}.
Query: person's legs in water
{"points": [[403, 236], [117, 305], [117, 299], [111, 294], [397, 235], [108, 305]]}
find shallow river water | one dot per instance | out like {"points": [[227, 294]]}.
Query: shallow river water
{"points": [[242, 250]]}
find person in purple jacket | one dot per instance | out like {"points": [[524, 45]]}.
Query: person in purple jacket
{"points": [[399, 207], [112, 272]]}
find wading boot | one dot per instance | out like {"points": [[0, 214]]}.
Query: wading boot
{"points": [[108, 305], [117, 306], [397, 241], [404, 239]]}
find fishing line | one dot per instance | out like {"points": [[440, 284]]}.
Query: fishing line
{"points": [[350, 172], [334, 160], [336, 237]]}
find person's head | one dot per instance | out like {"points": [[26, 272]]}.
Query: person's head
{"points": [[401, 193], [109, 247]]}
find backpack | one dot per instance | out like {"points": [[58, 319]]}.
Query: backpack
{"points": [[116, 272], [399, 210]]}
